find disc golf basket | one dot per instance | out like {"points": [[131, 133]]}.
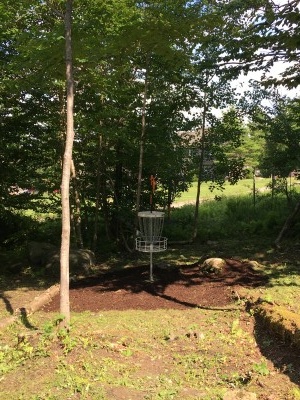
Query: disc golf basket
{"points": [[150, 239]]}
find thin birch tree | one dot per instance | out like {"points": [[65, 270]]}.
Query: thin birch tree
{"points": [[66, 172]]}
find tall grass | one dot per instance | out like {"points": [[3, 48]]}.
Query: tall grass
{"points": [[235, 217]]}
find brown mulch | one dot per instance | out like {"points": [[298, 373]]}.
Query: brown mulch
{"points": [[173, 288]]}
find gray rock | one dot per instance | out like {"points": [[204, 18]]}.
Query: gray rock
{"points": [[47, 256], [79, 259]]}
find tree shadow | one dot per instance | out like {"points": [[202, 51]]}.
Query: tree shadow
{"points": [[283, 274], [284, 356], [7, 303], [21, 312], [21, 282], [24, 319], [187, 284]]}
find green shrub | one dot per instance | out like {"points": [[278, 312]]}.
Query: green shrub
{"points": [[14, 228], [233, 217]]}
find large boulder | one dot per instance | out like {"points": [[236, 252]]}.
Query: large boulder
{"points": [[45, 256], [213, 265], [80, 260]]}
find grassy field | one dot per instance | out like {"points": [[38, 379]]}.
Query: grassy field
{"points": [[243, 187], [136, 355]]}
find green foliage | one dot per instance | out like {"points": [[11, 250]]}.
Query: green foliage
{"points": [[251, 149], [261, 368], [13, 356], [13, 227], [281, 126], [223, 141], [233, 217], [180, 46], [19, 228], [112, 51], [179, 227], [68, 342], [268, 32]]}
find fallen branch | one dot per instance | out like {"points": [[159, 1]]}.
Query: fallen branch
{"points": [[36, 304], [39, 301]]}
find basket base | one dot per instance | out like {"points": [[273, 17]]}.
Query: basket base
{"points": [[146, 246]]}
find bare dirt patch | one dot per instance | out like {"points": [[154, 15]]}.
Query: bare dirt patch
{"points": [[173, 288]]}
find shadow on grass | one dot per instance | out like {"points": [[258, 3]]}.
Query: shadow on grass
{"points": [[284, 275], [7, 303], [25, 320], [284, 356]]}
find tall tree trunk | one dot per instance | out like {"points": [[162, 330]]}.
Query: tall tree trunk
{"points": [[273, 185], [169, 202], [77, 211], [97, 200], [200, 169], [254, 188], [142, 143], [103, 189], [288, 224], [287, 191], [118, 189], [62, 123], [66, 172]]}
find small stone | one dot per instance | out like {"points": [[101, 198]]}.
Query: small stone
{"points": [[239, 395]]}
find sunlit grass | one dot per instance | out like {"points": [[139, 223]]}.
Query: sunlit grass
{"points": [[242, 188], [161, 354]]}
